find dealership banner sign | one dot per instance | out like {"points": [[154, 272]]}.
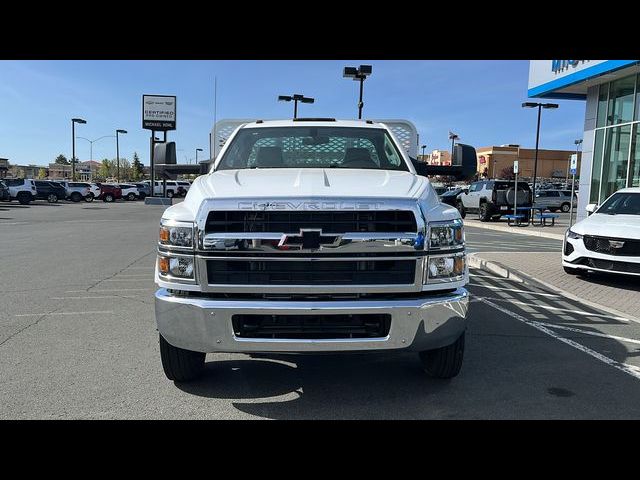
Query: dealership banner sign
{"points": [[159, 112]]}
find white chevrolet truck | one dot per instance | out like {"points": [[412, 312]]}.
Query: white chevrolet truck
{"points": [[308, 236]]}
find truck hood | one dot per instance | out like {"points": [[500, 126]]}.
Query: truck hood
{"points": [[312, 182], [603, 225]]}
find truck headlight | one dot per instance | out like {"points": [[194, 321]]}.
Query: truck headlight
{"points": [[445, 268], [176, 235], [178, 267], [446, 235]]}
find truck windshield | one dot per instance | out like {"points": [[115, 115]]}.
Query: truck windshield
{"points": [[312, 147]]}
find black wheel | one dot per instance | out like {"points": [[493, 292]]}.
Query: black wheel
{"points": [[179, 364], [108, 198], [169, 193], [573, 271], [52, 198], [24, 198], [131, 196], [460, 207], [565, 207], [483, 213], [444, 362], [76, 197], [89, 197], [143, 195]]}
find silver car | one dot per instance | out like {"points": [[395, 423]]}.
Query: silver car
{"points": [[556, 200]]}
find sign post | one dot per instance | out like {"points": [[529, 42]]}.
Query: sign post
{"points": [[158, 114], [573, 170], [515, 194]]}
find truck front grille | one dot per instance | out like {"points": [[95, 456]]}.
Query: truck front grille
{"points": [[306, 272], [311, 326], [238, 221], [630, 248]]}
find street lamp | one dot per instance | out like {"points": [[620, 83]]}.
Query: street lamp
{"points": [[453, 137], [198, 150], [73, 145], [358, 74], [91, 142], [118, 154], [423, 147], [535, 162], [296, 98]]}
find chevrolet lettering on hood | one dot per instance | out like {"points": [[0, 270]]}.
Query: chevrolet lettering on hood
{"points": [[280, 205]]}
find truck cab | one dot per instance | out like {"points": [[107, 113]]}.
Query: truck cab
{"points": [[308, 236]]}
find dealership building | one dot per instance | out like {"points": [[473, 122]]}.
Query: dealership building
{"points": [[611, 141]]}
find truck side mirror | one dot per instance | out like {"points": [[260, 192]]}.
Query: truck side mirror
{"points": [[592, 207], [464, 164]]}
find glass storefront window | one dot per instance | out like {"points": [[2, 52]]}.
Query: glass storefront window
{"points": [[596, 168], [621, 100], [615, 160], [634, 168], [637, 114], [603, 98]]}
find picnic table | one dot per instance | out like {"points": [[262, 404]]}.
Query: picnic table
{"points": [[542, 216]]}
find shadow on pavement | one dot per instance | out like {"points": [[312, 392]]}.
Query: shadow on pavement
{"points": [[623, 282]]}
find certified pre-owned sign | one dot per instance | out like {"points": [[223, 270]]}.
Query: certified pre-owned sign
{"points": [[159, 112]]}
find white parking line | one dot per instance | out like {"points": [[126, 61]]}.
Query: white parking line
{"points": [[586, 332], [116, 279], [112, 290], [628, 369], [61, 313], [515, 290], [548, 307], [93, 298]]}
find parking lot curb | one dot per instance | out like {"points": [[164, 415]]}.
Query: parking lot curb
{"points": [[503, 271], [518, 230]]}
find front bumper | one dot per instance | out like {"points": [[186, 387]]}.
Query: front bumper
{"points": [[582, 258], [204, 325]]}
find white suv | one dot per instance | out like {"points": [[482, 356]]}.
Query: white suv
{"points": [[609, 239], [22, 189]]}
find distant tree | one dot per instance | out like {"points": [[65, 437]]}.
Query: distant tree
{"points": [[42, 174], [137, 170], [507, 172], [125, 169], [107, 169], [62, 160]]}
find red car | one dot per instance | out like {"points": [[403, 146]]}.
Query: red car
{"points": [[109, 192]]}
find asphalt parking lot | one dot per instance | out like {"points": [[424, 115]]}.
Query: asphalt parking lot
{"points": [[78, 340]]}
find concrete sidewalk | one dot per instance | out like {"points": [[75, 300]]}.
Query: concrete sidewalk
{"points": [[556, 232], [615, 294]]}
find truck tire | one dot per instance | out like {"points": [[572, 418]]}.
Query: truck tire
{"points": [[483, 212], [565, 207], [180, 365], [76, 197], [444, 362], [24, 198], [460, 207]]}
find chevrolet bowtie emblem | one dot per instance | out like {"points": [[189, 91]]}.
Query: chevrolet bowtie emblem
{"points": [[616, 244], [307, 239]]}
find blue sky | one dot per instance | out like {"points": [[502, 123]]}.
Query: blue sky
{"points": [[479, 100]]}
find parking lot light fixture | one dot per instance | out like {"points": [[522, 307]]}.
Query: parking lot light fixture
{"points": [[73, 145], [535, 161], [297, 97], [453, 137], [358, 74], [198, 150], [118, 153]]}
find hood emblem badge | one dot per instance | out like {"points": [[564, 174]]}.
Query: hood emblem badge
{"points": [[616, 244], [307, 239]]}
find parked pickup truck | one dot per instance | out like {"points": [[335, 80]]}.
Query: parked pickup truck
{"points": [[312, 235]]}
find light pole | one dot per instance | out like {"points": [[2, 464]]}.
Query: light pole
{"points": [[73, 145], [535, 162], [423, 147], [358, 74], [453, 137], [91, 142], [296, 98], [118, 154], [198, 150]]}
